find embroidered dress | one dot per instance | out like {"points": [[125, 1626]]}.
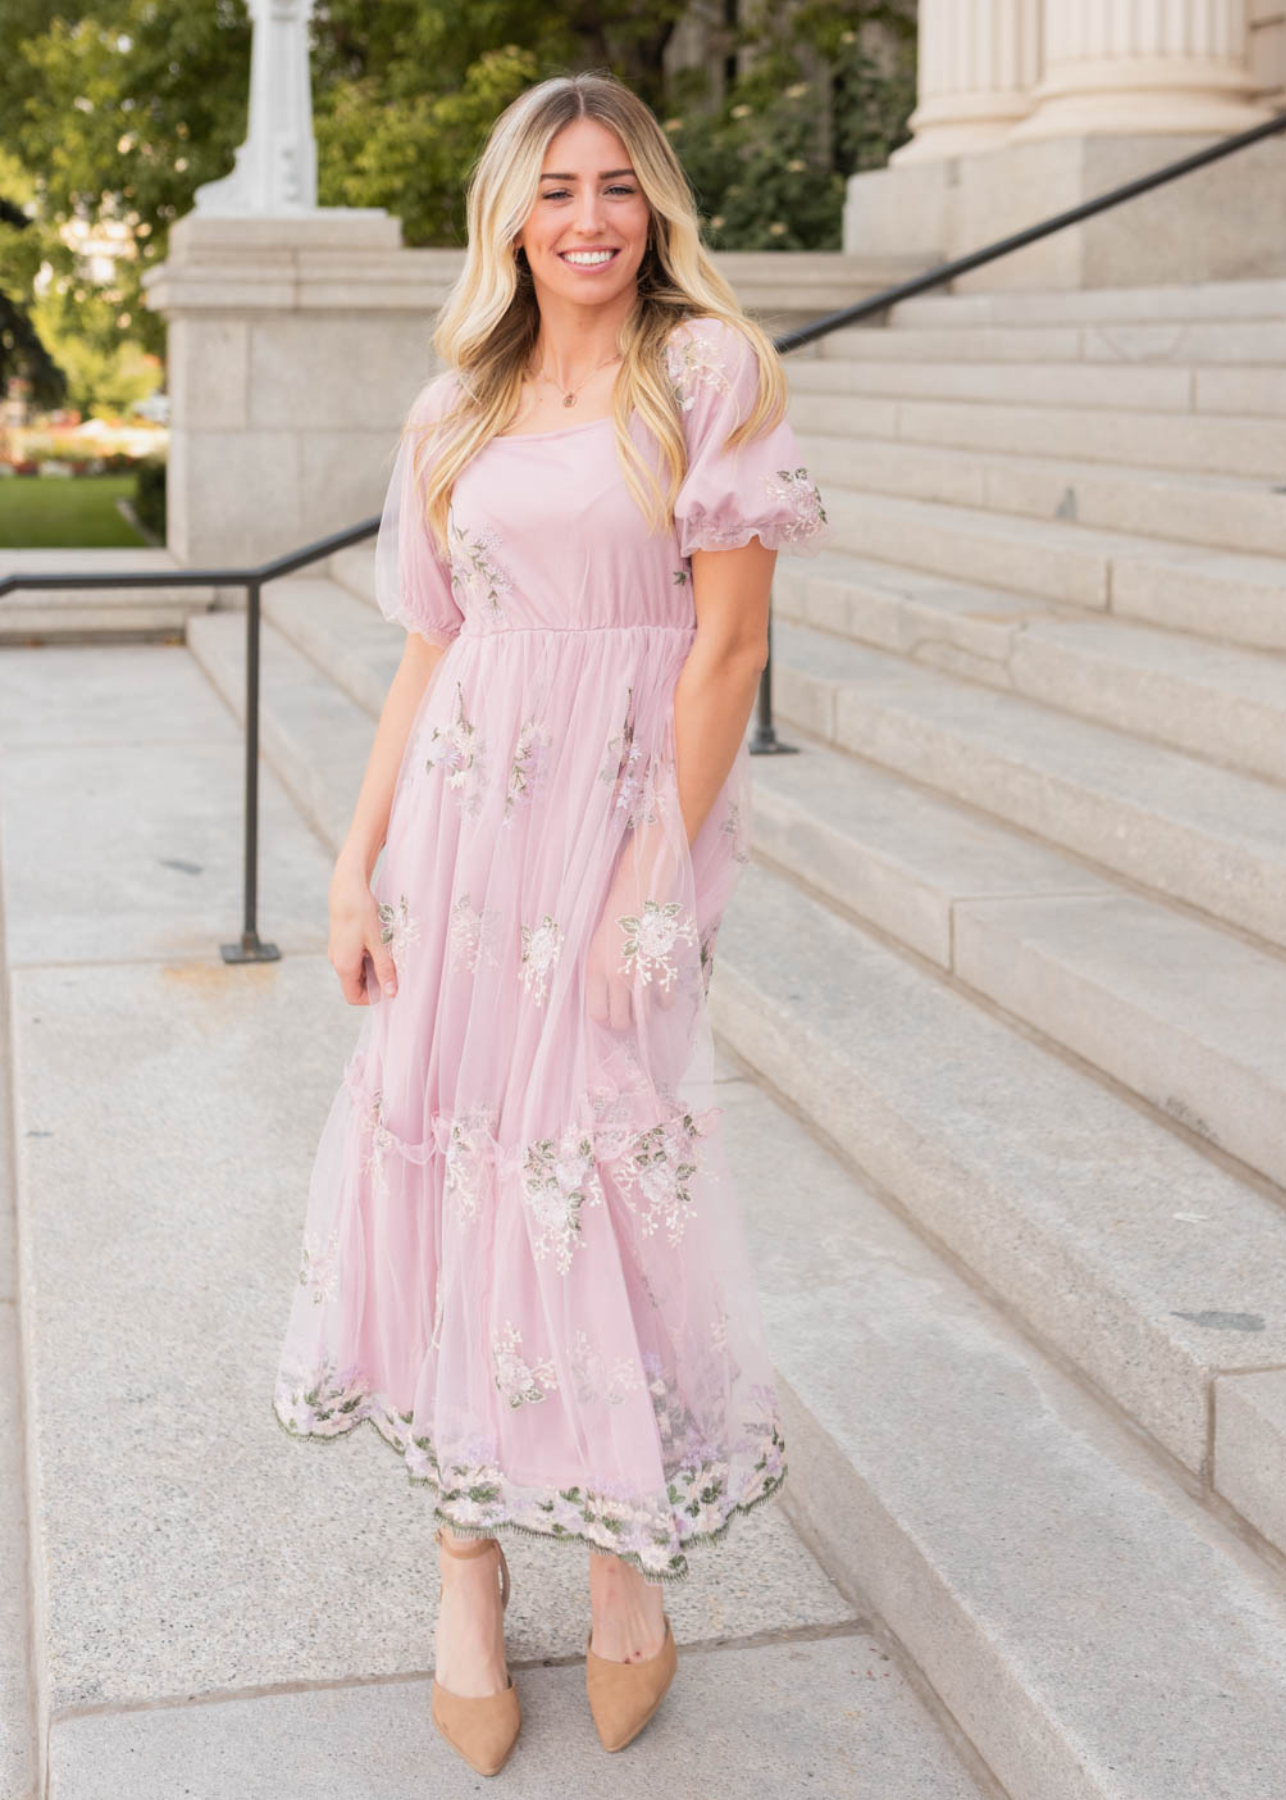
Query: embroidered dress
{"points": [[522, 1257]]}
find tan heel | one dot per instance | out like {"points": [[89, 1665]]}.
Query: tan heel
{"points": [[623, 1696], [480, 1728]]}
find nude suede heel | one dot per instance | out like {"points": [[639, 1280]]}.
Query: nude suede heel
{"points": [[480, 1728], [623, 1696]]}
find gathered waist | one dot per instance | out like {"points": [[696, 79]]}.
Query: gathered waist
{"points": [[506, 631]]}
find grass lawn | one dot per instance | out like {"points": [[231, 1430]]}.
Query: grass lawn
{"points": [[68, 512]]}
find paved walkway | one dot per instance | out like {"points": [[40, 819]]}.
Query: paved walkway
{"points": [[202, 1607]]}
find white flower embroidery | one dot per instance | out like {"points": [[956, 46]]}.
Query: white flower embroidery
{"points": [[467, 1159], [381, 1140], [474, 572], [660, 1164], [319, 1265], [460, 749], [398, 928], [649, 938], [560, 1179], [597, 1380], [797, 490], [541, 945], [733, 826], [719, 1327], [693, 361], [474, 936], [520, 1382], [527, 767]]}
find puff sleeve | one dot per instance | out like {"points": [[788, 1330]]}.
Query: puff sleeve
{"points": [[758, 489], [412, 581]]}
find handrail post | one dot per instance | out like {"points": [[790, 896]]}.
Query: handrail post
{"points": [[764, 740], [251, 948]]}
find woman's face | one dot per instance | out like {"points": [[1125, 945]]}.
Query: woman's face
{"points": [[587, 232]]}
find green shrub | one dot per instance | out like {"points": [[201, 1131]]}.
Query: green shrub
{"points": [[149, 495]]}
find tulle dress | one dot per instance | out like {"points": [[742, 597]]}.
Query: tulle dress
{"points": [[522, 1257]]}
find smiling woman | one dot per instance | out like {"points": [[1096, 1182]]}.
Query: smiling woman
{"points": [[523, 1260]]}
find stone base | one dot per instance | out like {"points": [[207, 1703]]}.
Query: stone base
{"points": [[1226, 222]]}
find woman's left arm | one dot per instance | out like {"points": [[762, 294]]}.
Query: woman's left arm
{"points": [[716, 689]]}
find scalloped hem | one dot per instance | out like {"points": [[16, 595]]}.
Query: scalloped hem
{"points": [[675, 1571], [772, 537]]}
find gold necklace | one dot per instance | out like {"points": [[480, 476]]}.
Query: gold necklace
{"points": [[569, 394]]}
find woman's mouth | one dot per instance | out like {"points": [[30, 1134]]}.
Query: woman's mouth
{"points": [[589, 259]]}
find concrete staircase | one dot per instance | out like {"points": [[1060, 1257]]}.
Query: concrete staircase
{"points": [[1013, 954]]}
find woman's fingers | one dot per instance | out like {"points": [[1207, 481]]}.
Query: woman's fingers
{"points": [[382, 961]]}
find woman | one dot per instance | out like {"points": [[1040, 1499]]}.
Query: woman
{"points": [[522, 1259]]}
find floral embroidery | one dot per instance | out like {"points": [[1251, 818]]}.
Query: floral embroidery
{"points": [[473, 937], [711, 1472], [527, 767], [693, 361], [795, 488], [707, 956], [633, 775], [474, 572], [560, 1179], [397, 929], [682, 577], [732, 825], [719, 1327], [597, 1380], [649, 938], [462, 754], [541, 945], [660, 1163], [319, 1265], [467, 1157], [520, 1382], [382, 1139]]}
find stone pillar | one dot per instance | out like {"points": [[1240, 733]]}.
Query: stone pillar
{"points": [[1126, 67], [295, 347], [978, 62]]}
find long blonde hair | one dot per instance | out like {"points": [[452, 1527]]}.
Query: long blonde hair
{"points": [[488, 324]]}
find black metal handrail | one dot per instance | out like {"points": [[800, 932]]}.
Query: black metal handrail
{"points": [[764, 740]]}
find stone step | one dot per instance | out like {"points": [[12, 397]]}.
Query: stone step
{"points": [[1250, 446], [343, 635], [1188, 507], [1175, 342], [1218, 701], [315, 736], [1088, 1624], [79, 615], [1208, 301], [1121, 1246], [1237, 597], [1152, 389], [1182, 1013], [1212, 837]]}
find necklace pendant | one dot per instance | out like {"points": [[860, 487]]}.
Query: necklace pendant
{"points": [[569, 399]]}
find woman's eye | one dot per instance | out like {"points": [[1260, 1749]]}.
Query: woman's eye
{"points": [[562, 193]]}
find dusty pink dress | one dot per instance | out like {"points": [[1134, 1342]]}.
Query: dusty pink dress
{"points": [[523, 1258]]}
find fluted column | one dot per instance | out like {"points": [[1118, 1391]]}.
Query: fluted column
{"points": [[1131, 66], [978, 62]]}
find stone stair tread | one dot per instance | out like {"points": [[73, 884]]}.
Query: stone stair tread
{"points": [[1157, 388], [317, 737], [1212, 836], [1128, 342], [1179, 1010], [1240, 672], [1075, 1609], [1147, 302], [1120, 1243], [346, 637], [1054, 536]]}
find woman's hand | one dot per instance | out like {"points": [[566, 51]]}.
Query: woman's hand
{"points": [[355, 933]]}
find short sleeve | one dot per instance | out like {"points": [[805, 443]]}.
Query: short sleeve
{"points": [[412, 581], [758, 489]]}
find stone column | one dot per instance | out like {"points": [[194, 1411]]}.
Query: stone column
{"points": [[1126, 67], [978, 62]]}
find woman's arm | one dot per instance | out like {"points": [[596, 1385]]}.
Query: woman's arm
{"points": [[718, 682], [354, 915], [713, 698]]}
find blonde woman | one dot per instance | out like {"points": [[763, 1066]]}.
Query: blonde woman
{"points": [[523, 1260]]}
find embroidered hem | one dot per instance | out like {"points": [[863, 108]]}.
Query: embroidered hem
{"points": [[785, 537], [496, 1504]]}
